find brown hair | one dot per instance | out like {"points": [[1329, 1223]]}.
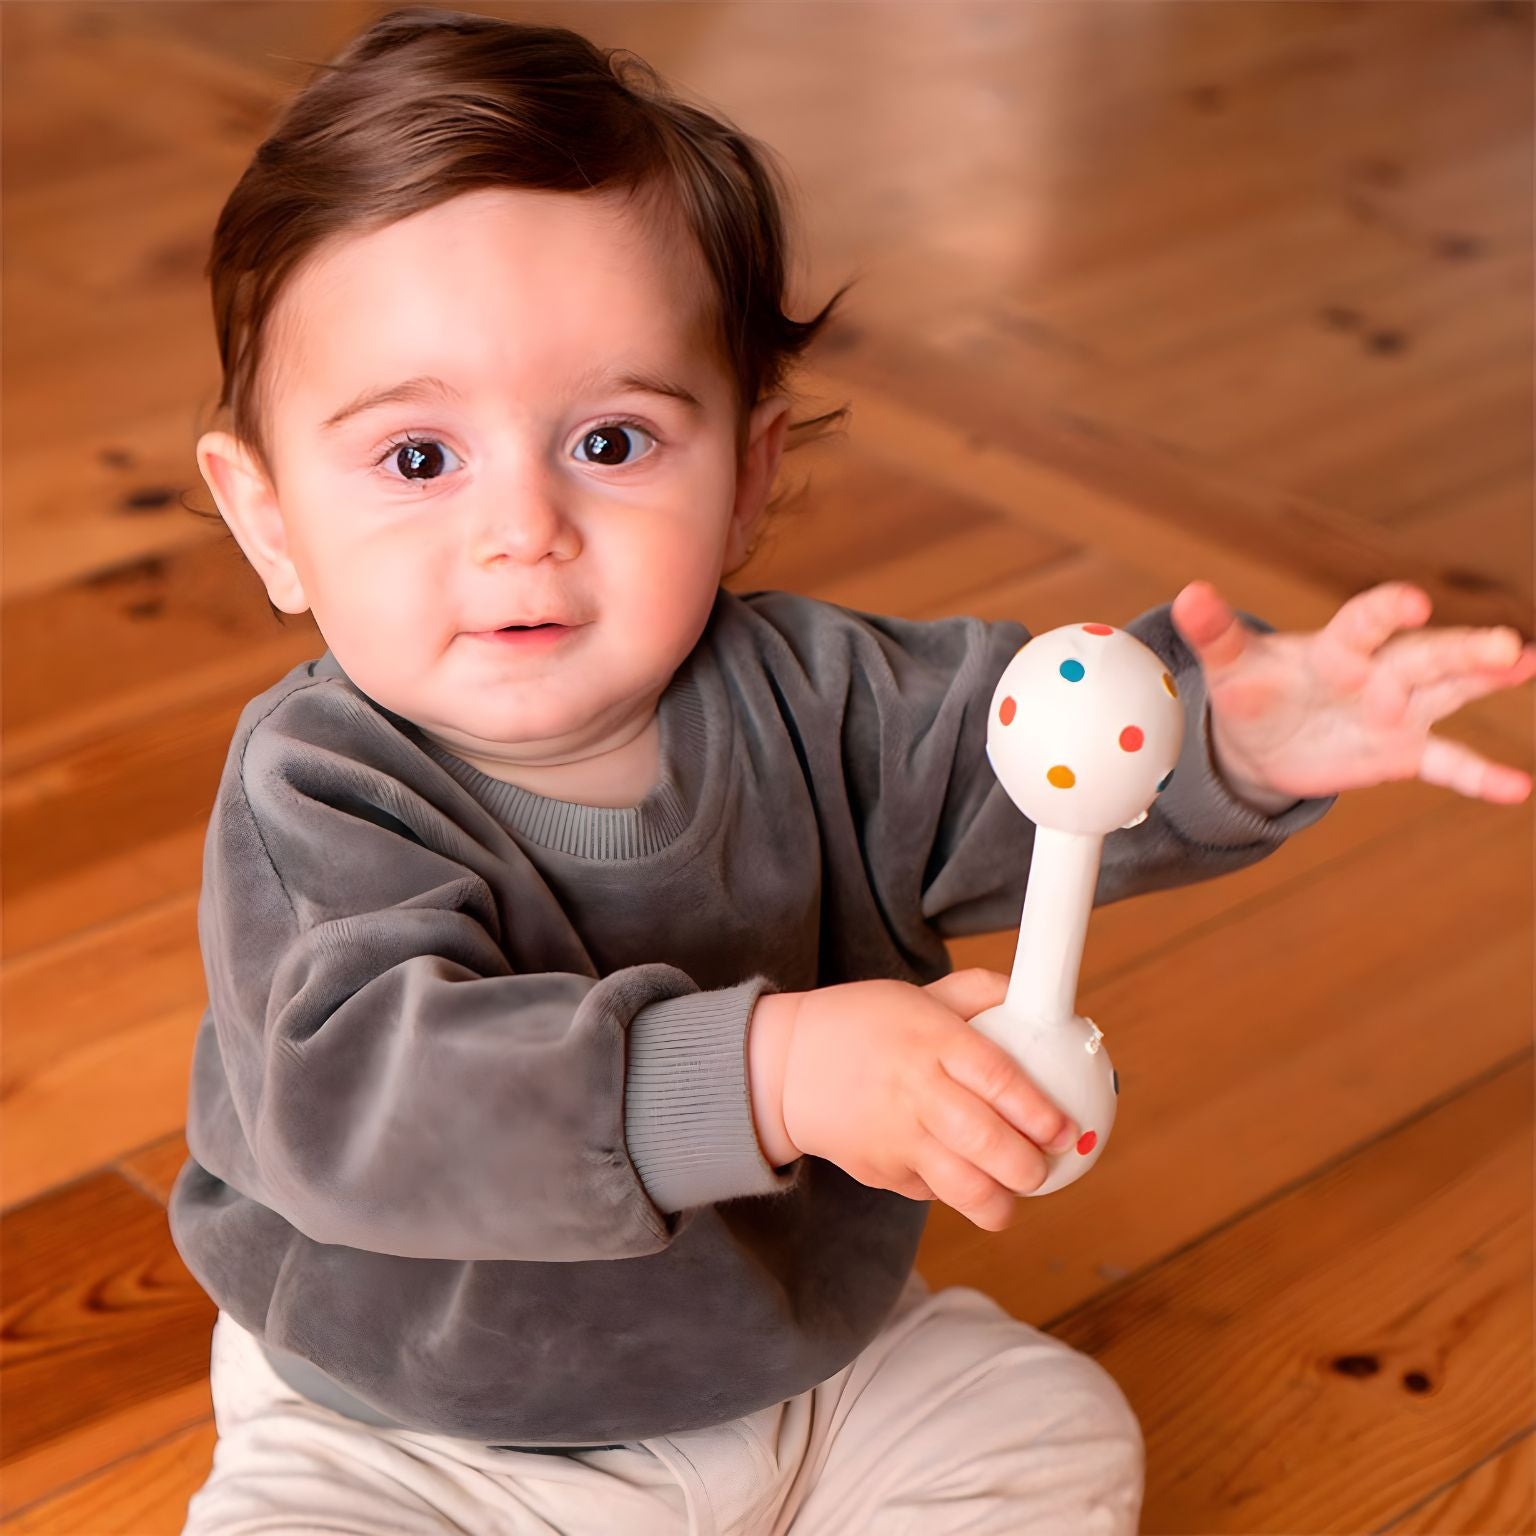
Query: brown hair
{"points": [[426, 104]]}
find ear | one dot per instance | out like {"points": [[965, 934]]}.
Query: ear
{"points": [[754, 475], [248, 504]]}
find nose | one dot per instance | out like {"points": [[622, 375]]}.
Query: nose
{"points": [[524, 524]]}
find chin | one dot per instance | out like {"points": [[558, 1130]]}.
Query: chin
{"points": [[507, 727]]}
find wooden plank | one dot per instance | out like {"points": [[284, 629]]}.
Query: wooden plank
{"points": [[862, 524], [1493, 1499], [1492, 519], [105, 1339], [152, 1168], [151, 788], [144, 1494], [1273, 549], [1039, 495], [101, 653], [94, 1068], [1347, 1348]]}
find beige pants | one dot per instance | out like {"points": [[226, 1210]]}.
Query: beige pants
{"points": [[957, 1418]]}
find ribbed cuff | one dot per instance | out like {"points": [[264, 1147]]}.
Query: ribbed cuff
{"points": [[688, 1100], [1199, 805]]}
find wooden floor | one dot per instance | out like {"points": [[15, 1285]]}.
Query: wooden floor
{"points": [[1147, 292]]}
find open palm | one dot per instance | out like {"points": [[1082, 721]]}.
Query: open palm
{"points": [[1351, 704]]}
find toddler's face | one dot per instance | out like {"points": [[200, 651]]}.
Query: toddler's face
{"points": [[538, 485]]}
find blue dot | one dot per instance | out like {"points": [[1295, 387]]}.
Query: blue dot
{"points": [[1072, 671], [1163, 782]]}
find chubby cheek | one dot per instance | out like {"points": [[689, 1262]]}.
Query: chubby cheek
{"points": [[376, 617], [662, 588]]}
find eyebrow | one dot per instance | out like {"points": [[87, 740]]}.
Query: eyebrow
{"points": [[429, 387]]}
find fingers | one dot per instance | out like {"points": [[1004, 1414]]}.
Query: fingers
{"points": [[972, 1129], [971, 1157], [1369, 619], [1209, 626], [1436, 701], [976, 1195], [1496, 656], [992, 1075], [1454, 766], [969, 991]]}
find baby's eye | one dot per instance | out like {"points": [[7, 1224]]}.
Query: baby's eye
{"points": [[607, 444], [418, 459]]}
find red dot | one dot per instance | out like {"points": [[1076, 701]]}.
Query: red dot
{"points": [[1098, 629], [1087, 1142], [1131, 738], [1007, 712]]}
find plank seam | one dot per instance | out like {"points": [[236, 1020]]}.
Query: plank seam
{"points": [[1291, 1186], [1461, 1477]]}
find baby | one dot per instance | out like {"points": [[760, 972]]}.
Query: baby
{"points": [[580, 1054]]}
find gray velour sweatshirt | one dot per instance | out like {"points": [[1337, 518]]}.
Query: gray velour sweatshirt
{"points": [[471, 1140]]}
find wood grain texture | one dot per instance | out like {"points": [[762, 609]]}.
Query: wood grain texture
{"points": [[1145, 293], [1496, 1495], [105, 1335], [1375, 1324]]}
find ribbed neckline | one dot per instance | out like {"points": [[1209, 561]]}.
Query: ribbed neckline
{"points": [[605, 833]]}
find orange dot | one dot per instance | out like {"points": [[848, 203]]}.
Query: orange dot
{"points": [[1131, 738], [1061, 776], [1170, 685], [1007, 711], [1098, 629]]}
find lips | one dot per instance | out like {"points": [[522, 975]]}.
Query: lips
{"points": [[540, 635], [491, 629]]}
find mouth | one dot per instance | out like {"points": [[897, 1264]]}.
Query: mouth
{"points": [[547, 630]]}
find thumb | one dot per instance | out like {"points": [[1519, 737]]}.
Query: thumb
{"points": [[969, 992], [1210, 628]]}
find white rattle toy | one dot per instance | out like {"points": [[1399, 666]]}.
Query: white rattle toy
{"points": [[1085, 728]]}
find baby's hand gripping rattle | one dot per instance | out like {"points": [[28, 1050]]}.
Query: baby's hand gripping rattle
{"points": [[1085, 728]]}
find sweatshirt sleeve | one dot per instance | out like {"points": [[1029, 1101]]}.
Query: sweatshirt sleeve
{"points": [[941, 837], [377, 1073]]}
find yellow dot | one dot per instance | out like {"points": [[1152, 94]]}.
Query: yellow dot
{"points": [[1170, 685], [1061, 776]]}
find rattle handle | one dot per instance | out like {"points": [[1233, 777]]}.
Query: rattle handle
{"points": [[1063, 875]]}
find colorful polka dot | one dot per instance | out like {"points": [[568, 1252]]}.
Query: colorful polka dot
{"points": [[1164, 781], [1170, 685], [1098, 629], [1114, 1078], [1072, 671], [1087, 1142], [1131, 738], [1007, 711], [1061, 776]]}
